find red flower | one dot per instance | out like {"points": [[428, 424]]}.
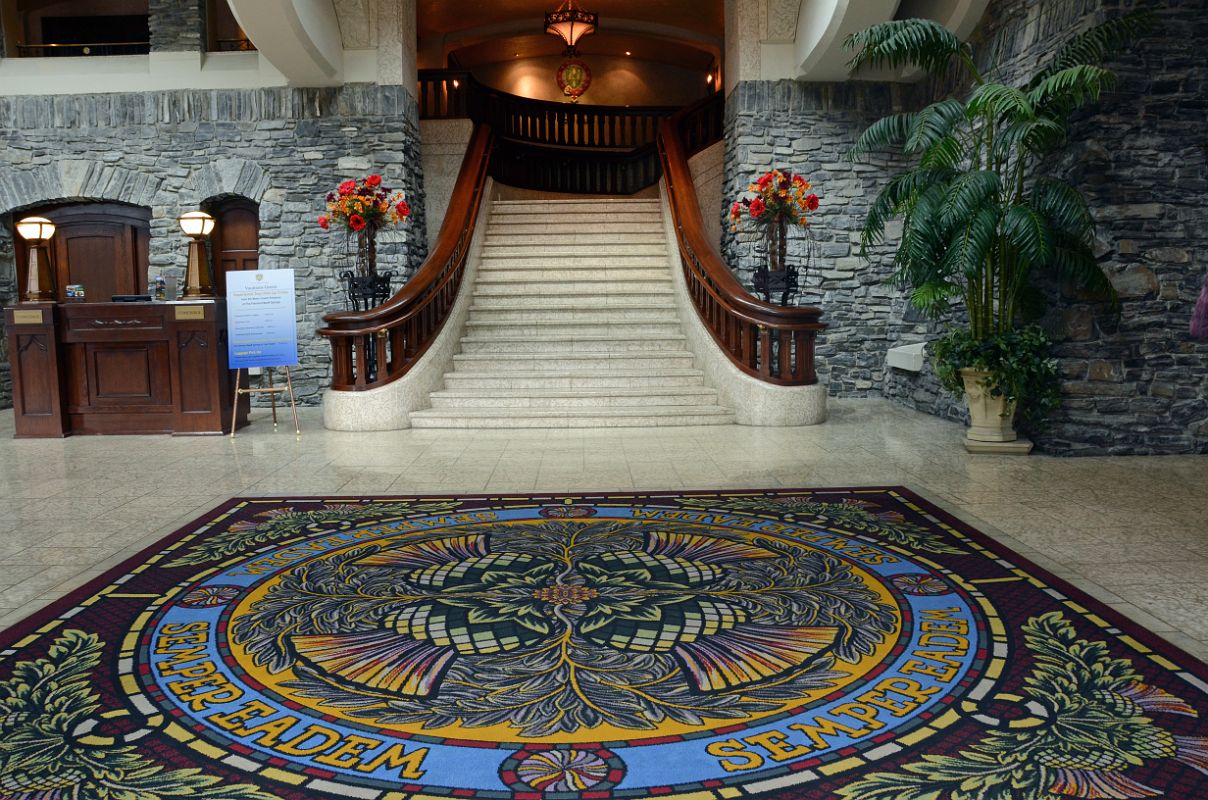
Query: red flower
{"points": [[373, 180], [757, 207], [356, 222], [323, 221], [402, 208], [736, 211], [347, 187], [798, 180], [764, 180], [811, 202]]}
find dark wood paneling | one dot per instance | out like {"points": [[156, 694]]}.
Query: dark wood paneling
{"points": [[37, 375], [235, 242], [106, 368]]}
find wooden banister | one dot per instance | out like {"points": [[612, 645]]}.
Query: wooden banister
{"points": [[375, 347], [772, 343]]}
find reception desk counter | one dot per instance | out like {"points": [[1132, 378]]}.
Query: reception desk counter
{"points": [[111, 368]]}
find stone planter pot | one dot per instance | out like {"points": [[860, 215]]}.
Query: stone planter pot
{"points": [[991, 419]]}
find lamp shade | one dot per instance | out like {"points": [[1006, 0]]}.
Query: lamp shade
{"points": [[570, 23], [196, 223], [35, 228]]}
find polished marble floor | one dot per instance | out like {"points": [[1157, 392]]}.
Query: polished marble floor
{"points": [[1131, 531]]}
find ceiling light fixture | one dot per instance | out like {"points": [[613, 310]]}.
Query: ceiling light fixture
{"points": [[570, 24]]}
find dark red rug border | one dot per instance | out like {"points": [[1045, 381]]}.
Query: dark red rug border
{"points": [[1152, 640]]}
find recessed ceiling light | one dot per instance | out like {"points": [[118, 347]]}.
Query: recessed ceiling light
{"points": [[628, 53], [517, 55], [709, 78]]}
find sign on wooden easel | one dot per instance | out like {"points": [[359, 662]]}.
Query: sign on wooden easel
{"points": [[262, 331]]}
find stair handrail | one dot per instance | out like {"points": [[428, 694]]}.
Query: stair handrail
{"points": [[772, 343], [376, 347]]}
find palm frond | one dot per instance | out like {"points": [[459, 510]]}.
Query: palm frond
{"points": [[934, 123], [1071, 87], [933, 298], [1064, 207], [1027, 231], [967, 195], [999, 101], [894, 199], [883, 133], [971, 244], [1097, 44], [1072, 262], [946, 154], [905, 42], [1034, 135]]}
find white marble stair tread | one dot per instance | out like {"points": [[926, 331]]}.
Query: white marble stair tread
{"points": [[555, 298], [510, 227], [634, 416], [554, 379], [587, 361], [611, 397]]}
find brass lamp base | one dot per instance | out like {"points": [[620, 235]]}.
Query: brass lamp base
{"points": [[39, 285], [198, 282]]}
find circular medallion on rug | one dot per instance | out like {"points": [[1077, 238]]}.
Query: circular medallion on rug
{"points": [[587, 650]]}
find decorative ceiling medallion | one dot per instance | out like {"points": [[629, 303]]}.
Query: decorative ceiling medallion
{"points": [[573, 78]]}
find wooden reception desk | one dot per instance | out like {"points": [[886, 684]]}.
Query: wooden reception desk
{"points": [[106, 368]]}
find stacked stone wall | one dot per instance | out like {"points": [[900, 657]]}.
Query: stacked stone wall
{"points": [[808, 128], [177, 25], [283, 148], [1135, 382]]}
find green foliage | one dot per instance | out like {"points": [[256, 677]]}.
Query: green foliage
{"points": [[1019, 363], [978, 222], [41, 707], [1094, 729]]}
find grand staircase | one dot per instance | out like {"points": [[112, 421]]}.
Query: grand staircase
{"points": [[573, 324]]}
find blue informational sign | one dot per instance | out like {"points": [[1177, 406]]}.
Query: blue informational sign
{"points": [[261, 323]]}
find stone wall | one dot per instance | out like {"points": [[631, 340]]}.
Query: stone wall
{"points": [[1135, 381], [808, 128], [283, 148], [177, 25]]}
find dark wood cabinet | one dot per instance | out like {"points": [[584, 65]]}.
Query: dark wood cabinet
{"points": [[106, 368]]}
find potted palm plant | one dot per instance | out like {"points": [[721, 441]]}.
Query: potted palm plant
{"points": [[982, 223]]}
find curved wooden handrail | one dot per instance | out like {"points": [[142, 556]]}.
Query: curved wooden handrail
{"points": [[375, 347], [772, 343]]}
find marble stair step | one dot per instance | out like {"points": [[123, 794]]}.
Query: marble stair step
{"points": [[554, 296], [525, 250], [574, 398], [605, 216], [597, 284], [565, 241], [587, 312], [566, 379], [569, 344], [574, 363], [630, 417], [572, 328], [507, 226], [580, 263], [590, 206]]}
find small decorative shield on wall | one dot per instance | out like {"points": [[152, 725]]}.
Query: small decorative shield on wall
{"points": [[573, 78]]}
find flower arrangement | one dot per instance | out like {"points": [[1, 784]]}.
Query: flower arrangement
{"points": [[358, 205], [782, 198], [779, 196], [362, 208]]}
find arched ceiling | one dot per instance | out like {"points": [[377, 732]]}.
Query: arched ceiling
{"points": [[686, 33]]}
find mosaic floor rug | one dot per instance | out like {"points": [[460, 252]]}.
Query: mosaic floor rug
{"points": [[796, 645]]}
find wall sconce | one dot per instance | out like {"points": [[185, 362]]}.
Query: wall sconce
{"points": [[39, 283], [198, 281]]}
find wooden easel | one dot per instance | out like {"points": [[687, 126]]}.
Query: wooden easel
{"points": [[272, 392]]}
